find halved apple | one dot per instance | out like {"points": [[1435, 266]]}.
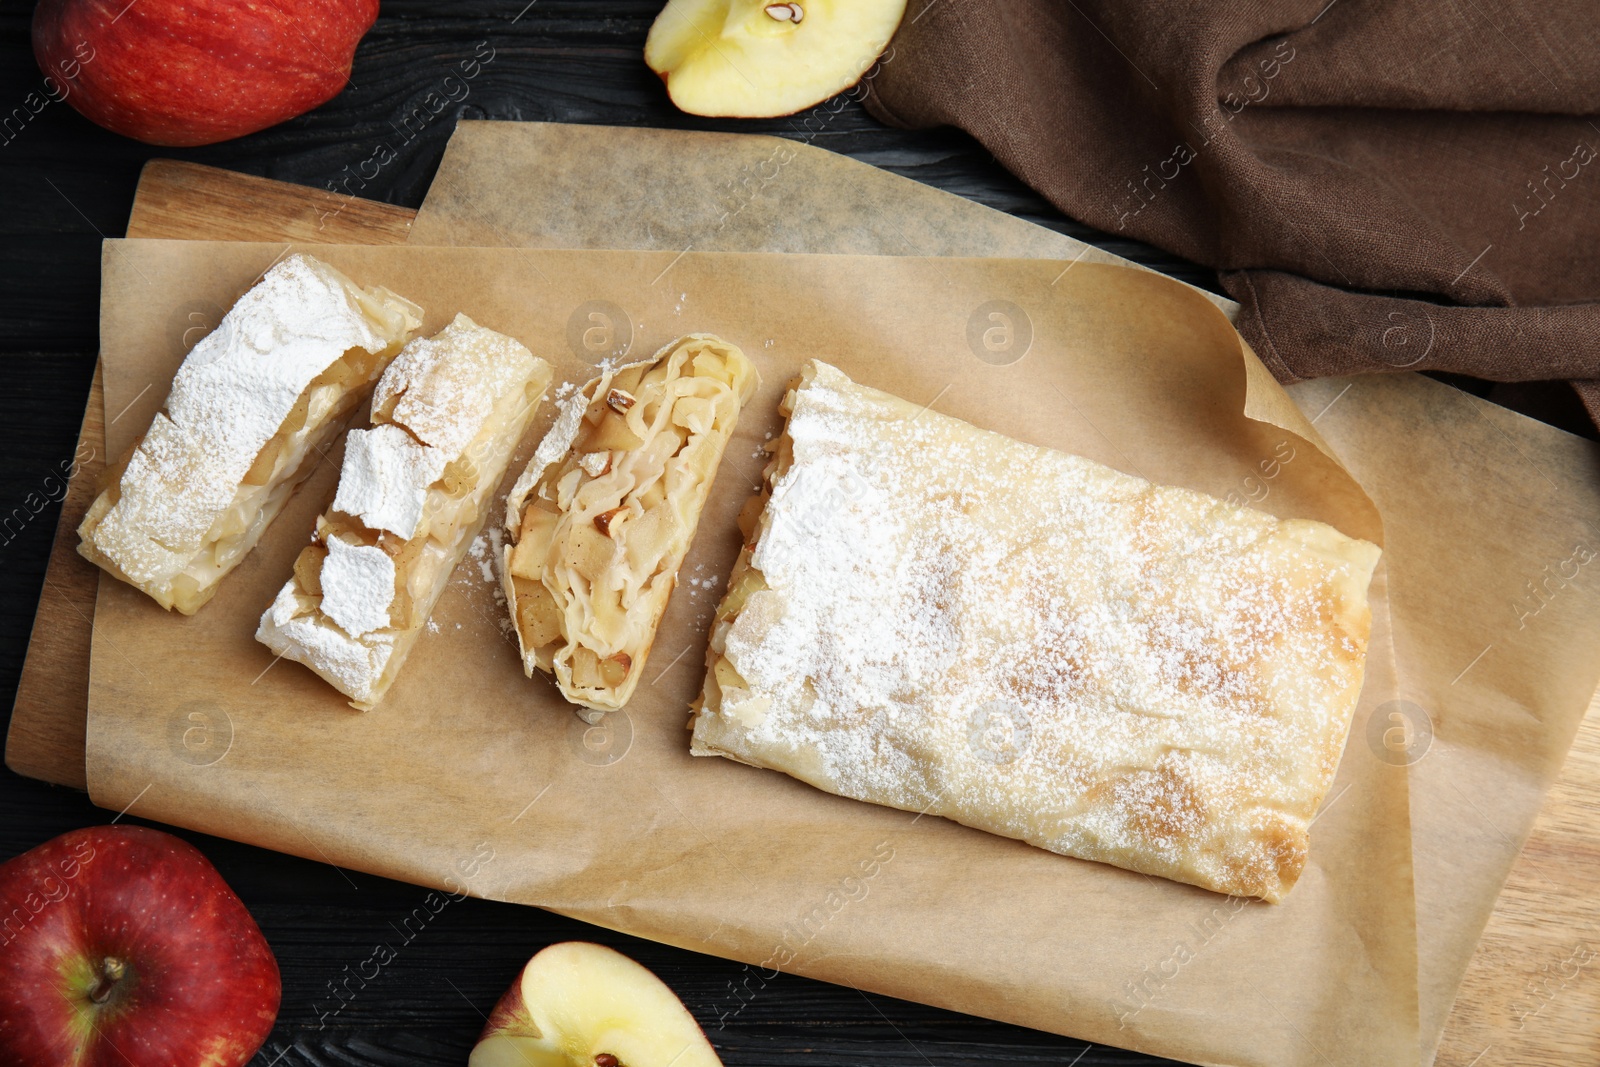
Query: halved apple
{"points": [[752, 59], [578, 1004]]}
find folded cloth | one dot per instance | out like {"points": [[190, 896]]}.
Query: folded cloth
{"points": [[1381, 186]]}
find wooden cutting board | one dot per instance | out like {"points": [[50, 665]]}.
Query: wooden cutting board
{"points": [[1531, 995]]}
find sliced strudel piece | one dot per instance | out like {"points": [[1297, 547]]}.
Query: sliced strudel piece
{"points": [[251, 410], [942, 619], [604, 513], [413, 493]]}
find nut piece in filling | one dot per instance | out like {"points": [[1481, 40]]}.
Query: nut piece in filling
{"points": [[413, 493], [250, 410], [600, 520]]}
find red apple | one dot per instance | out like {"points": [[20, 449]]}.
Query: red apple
{"points": [[123, 947], [192, 72]]}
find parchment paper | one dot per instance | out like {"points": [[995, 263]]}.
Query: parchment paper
{"points": [[1408, 439], [192, 722], [1490, 519], [562, 185]]}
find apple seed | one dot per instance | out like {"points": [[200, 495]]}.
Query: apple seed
{"points": [[785, 12]]}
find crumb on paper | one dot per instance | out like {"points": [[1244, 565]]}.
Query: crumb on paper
{"points": [[485, 551]]}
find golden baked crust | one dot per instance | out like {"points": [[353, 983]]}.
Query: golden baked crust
{"points": [[602, 517], [939, 618], [413, 494], [250, 411]]}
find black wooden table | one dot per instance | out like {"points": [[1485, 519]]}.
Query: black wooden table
{"points": [[65, 184]]}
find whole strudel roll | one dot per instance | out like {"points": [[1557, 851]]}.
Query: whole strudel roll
{"points": [[941, 619]]}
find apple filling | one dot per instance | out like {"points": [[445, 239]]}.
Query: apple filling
{"points": [[171, 517], [600, 527]]}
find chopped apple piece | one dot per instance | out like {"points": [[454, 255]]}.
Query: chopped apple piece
{"points": [[581, 1005], [654, 496], [460, 477], [260, 472], [585, 667], [589, 551], [308, 568], [753, 59], [614, 668], [751, 581], [649, 538], [610, 623], [533, 543], [537, 613], [611, 434]]}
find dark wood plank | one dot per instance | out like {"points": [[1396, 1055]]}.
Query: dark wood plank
{"points": [[48, 720]]}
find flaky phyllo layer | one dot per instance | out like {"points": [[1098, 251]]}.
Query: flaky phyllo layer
{"points": [[941, 619], [602, 517], [252, 407], [413, 493]]}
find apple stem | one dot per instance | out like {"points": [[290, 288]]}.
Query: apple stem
{"points": [[112, 971]]}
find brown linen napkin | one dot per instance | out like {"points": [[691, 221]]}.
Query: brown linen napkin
{"points": [[1379, 185]]}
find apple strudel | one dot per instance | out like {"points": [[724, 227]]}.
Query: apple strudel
{"points": [[412, 496], [252, 408], [1036, 645], [603, 515]]}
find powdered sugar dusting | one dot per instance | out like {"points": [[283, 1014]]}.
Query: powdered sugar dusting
{"points": [[353, 665], [1038, 645], [486, 548], [443, 387], [357, 587], [385, 477]]}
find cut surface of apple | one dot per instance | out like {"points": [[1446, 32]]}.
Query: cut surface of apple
{"points": [[749, 59], [578, 1004]]}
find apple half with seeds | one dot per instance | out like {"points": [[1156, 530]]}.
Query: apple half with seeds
{"points": [[749, 59], [578, 1004]]}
